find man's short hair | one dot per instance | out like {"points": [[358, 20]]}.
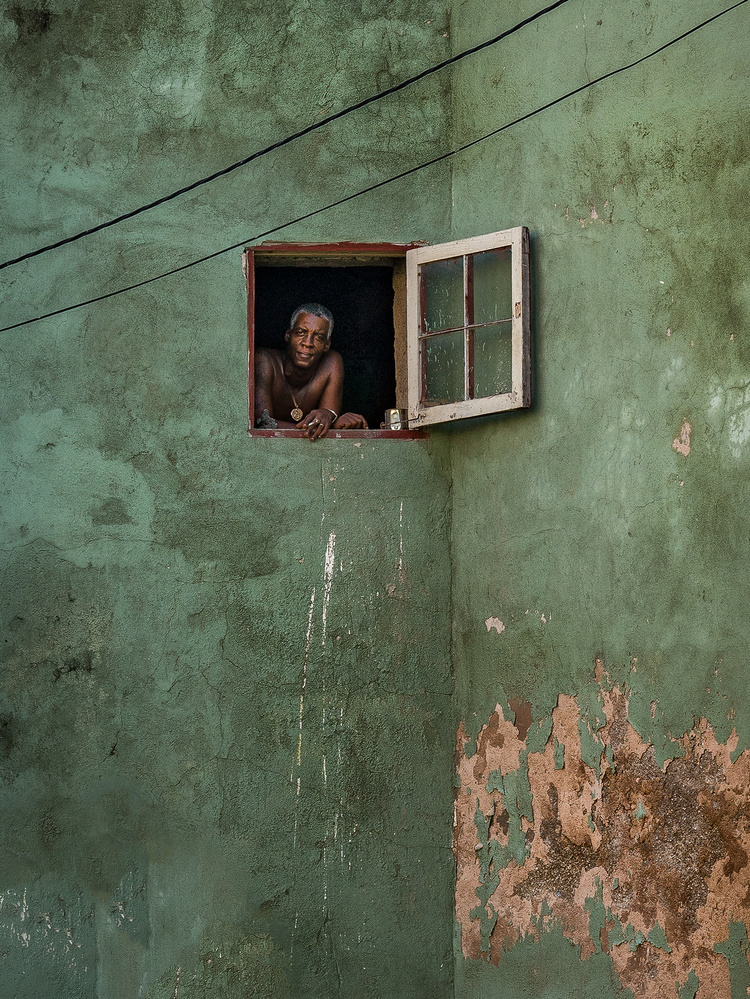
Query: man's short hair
{"points": [[313, 309]]}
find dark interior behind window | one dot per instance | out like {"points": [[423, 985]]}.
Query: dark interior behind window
{"points": [[361, 300]]}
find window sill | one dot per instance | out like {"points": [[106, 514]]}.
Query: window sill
{"points": [[402, 435]]}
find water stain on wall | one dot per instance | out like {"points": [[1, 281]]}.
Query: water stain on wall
{"points": [[644, 862], [30, 21], [230, 966]]}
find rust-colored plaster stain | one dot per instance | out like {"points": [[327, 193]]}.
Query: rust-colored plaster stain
{"points": [[681, 444], [647, 863]]}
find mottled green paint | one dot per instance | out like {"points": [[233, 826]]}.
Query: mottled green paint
{"points": [[690, 988], [517, 803], [160, 566], [588, 512], [543, 969], [577, 523], [658, 938], [735, 950]]}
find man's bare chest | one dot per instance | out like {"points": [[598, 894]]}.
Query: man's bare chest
{"points": [[287, 395]]}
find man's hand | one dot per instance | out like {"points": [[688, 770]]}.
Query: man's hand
{"points": [[350, 421], [317, 423]]}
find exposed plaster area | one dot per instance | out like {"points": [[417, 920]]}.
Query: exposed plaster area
{"points": [[647, 863], [681, 444]]}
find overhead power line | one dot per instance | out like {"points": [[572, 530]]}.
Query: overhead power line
{"points": [[382, 183], [285, 142]]}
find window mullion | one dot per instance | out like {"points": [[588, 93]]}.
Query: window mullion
{"points": [[468, 326], [422, 291]]}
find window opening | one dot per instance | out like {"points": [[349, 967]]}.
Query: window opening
{"points": [[364, 287], [440, 331], [361, 301]]}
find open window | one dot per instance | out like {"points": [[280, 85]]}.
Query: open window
{"points": [[364, 286], [462, 351], [468, 327]]}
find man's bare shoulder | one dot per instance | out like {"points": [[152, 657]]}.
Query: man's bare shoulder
{"points": [[268, 354], [331, 361], [268, 361]]}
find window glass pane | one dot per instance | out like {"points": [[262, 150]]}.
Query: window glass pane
{"points": [[445, 368], [492, 286], [444, 294], [493, 360]]}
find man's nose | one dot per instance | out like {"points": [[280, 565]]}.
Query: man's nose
{"points": [[308, 338]]}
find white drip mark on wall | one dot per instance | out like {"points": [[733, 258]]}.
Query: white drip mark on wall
{"points": [[308, 643], [294, 930], [339, 760], [335, 836], [328, 567], [338, 741], [330, 561]]}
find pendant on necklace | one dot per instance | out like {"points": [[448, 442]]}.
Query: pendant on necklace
{"points": [[296, 414]]}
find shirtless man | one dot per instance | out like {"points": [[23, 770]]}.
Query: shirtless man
{"points": [[302, 388]]}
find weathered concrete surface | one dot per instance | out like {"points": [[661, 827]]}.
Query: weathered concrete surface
{"points": [[644, 862], [170, 797], [609, 521], [171, 587], [221, 687]]}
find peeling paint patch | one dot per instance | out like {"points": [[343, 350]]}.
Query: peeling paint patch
{"points": [[57, 930], [646, 863], [605, 217], [681, 444], [496, 623]]}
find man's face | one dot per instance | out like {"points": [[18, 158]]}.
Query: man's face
{"points": [[307, 340]]}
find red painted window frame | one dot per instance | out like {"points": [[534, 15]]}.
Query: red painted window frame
{"points": [[312, 249]]}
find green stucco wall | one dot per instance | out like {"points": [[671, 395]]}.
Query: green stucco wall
{"points": [[235, 670], [225, 728], [600, 540]]}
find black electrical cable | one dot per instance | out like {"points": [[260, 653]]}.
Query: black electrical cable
{"points": [[285, 142], [382, 183]]}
